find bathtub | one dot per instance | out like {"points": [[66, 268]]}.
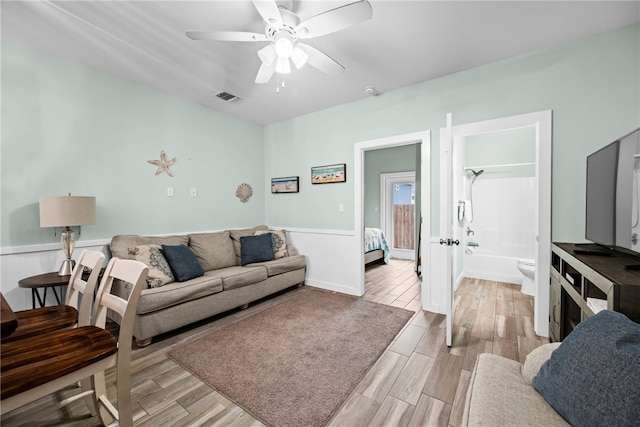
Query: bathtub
{"points": [[491, 267]]}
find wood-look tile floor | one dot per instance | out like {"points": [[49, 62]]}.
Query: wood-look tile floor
{"points": [[418, 381]]}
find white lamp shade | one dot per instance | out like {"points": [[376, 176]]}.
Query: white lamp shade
{"points": [[299, 57], [267, 55], [63, 211], [283, 47], [283, 66]]}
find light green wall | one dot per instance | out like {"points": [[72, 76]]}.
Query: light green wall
{"points": [[592, 85], [69, 128], [376, 162], [490, 151]]}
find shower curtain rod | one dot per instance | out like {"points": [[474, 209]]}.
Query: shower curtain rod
{"points": [[499, 166]]}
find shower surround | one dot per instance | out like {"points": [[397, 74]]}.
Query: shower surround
{"points": [[504, 219]]}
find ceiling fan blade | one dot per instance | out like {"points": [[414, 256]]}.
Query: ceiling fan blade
{"points": [[321, 61], [227, 36], [269, 11], [264, 74], [335, 19]]}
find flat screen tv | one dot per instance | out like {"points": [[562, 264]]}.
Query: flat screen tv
{"points": [[612, 209]]}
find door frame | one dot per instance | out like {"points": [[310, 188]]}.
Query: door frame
{"points": [[424, 139], [542, 122], [385, 217]]}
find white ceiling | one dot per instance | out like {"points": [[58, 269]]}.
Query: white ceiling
{"points": [[405, 42]]}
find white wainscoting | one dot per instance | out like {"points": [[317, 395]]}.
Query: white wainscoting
{"points": [[16, 263], [332, 258]]}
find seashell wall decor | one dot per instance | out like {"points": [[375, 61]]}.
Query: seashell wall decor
{"points": [[244, 192]]}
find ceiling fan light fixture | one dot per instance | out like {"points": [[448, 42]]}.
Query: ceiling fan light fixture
{"points": [[299, 57], [283, 47], [283, 66], [267, 55]]}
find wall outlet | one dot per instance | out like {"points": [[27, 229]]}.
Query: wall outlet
{"points": [[170, 191], [340, 207], [193, 192]]}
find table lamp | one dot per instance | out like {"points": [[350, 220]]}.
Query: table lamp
{"points": [[67, 211]]}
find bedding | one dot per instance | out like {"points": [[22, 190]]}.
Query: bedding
{"points": [[374, 240]]}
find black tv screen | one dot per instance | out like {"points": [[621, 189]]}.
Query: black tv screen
{"points": [[602, 169], [613, 194]]}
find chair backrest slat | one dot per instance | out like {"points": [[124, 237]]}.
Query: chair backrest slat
{"points": [[130, 271], [77, 286]]}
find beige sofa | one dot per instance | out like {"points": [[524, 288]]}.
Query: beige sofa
{"points": [[590, 379], [225, 284], [501, 393]]}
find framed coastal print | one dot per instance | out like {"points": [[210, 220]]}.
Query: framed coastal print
{"points": [[329, 174], [287, 184]]}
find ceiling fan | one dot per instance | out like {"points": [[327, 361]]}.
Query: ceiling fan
{"points": [[284, 30]]}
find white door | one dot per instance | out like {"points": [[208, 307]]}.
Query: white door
{"points": [[447, 241]]}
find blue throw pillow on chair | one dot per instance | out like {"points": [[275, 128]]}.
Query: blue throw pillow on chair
{"points": [[593, 377], [256, 249], [183, 262]]}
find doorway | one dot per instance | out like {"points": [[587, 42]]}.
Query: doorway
{"points": [[541, 124], [398, 212], [423, 195]]}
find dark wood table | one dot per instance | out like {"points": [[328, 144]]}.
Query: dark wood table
{"points": [[44, 281], [8, 319]]}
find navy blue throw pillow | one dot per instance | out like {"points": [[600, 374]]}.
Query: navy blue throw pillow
{"points": [[256, 249], [593, 378], [183, 262]]}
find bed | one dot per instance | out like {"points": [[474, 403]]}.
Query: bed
{"points": [[375, 246]]}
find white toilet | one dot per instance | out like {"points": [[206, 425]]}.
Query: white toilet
{"points": [[528, 269]]}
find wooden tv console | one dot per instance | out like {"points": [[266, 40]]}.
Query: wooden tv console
{"points": [[586, 278]]}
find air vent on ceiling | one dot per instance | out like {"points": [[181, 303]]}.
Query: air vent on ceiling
{"points": [[226, 96]]}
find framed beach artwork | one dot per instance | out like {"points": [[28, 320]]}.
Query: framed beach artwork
{"points": [[329, 173], [287, 184]]}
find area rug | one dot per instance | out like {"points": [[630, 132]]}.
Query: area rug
{"points": [[294, 364]]}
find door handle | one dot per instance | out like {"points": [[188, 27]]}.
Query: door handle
{"points": [[449, 242]]}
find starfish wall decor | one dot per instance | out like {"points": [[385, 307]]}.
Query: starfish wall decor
{"points": [[163, 164]]}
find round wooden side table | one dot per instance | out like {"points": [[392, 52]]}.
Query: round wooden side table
{"points": [[44, 281]]}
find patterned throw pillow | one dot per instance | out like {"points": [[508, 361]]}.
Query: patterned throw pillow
{"points": [[159, 271], [279, 242]]}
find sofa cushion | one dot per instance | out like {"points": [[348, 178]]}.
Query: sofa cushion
{"points": [[283, 265], [278, 241], [498, 395], [213, 250], [237, 234], [177, 293], [183, 262], [120, 244], [256, 249], [535, 359], [592, 378], [237, 277], [159, 270]]}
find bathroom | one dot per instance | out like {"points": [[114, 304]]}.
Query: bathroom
{"points": [[496, 197]]}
